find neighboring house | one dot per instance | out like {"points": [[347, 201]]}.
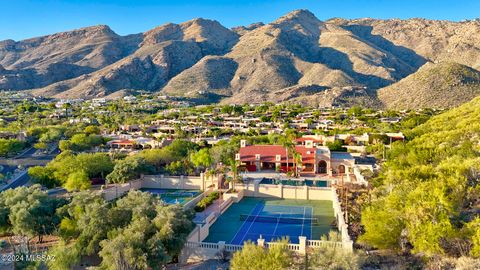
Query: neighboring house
{"points": [[122, 144], [311, 140], [130, 128], [395, 136], [21, 136], [315, 160], [147, 143]]}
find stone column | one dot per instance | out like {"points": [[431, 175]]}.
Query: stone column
{"points": [[329, 167], [303, 244], [202, 178], [221, 245], [261, 242]]}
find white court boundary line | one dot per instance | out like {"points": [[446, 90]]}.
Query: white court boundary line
{"points": [[276, 225], [244, 224]]}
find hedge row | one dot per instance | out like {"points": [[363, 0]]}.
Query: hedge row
{"points": [[205, 202]]}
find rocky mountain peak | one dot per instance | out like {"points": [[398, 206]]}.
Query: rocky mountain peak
{"points": [[296, 57], [301, 20], [169, 31]]}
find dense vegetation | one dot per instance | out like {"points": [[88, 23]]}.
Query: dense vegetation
{"points": [[426, 199], [278, 256], [207, 201], [137, 231], [10, 146]]}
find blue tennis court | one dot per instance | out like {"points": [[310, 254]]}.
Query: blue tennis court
{"points": [[272, 222], [173, 196]]}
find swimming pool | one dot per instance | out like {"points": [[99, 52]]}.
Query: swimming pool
{"points": [[173, 196], [299, 182]]}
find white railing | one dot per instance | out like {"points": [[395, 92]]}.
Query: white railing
{"points": [[202, 245], [320, 243], [342, 225], [292, 247], [319, 188], [358, 175], [233, 248]]}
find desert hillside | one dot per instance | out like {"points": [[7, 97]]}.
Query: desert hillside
{"points": [[296, 57]]}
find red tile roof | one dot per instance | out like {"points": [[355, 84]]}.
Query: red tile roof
{"points": [[268, 153]]}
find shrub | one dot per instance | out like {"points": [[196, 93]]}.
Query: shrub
{"points": [[205, 202]]}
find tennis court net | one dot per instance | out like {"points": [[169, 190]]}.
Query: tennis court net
{"points": [[279, 219]]}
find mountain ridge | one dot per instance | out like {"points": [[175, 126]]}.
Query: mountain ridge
{"points": [[261, 62]]}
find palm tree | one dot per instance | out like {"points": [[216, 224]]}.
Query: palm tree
{"points": [[211, 173], [297, 158], [234, 171], [287, 143]]}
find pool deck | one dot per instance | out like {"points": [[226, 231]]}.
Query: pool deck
{"points": [[283, 176]]}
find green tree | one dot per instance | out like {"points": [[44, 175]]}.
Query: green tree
{"points": [[43, 176], [10, 146], [277, 256], [92, 130], [202, 158], [333, 258], [423, 195], [81, 142], [337, 145], [128, 169], [78, 181], [40, 145], [29, 212], [129, 248]]}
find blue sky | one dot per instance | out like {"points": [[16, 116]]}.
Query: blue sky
{"points": [[28, 18]]}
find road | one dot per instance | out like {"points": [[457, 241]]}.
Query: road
{"points": [[21, 180], [26, 159]]}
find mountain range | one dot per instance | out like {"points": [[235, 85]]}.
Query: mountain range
{"points": [[297, 58]]}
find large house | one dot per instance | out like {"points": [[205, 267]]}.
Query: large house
{"points": [[316, 159]]}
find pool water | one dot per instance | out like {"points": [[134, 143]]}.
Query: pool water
{"points": [[173, 196], [290, 182]]}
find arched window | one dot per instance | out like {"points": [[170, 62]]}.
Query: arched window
{"points": [[341, 169], [322, 166]]}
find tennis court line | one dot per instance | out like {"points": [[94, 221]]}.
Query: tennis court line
{"points": [[311, 222], [303, 222], [276, 225], [249, 227], [239, 229]]}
